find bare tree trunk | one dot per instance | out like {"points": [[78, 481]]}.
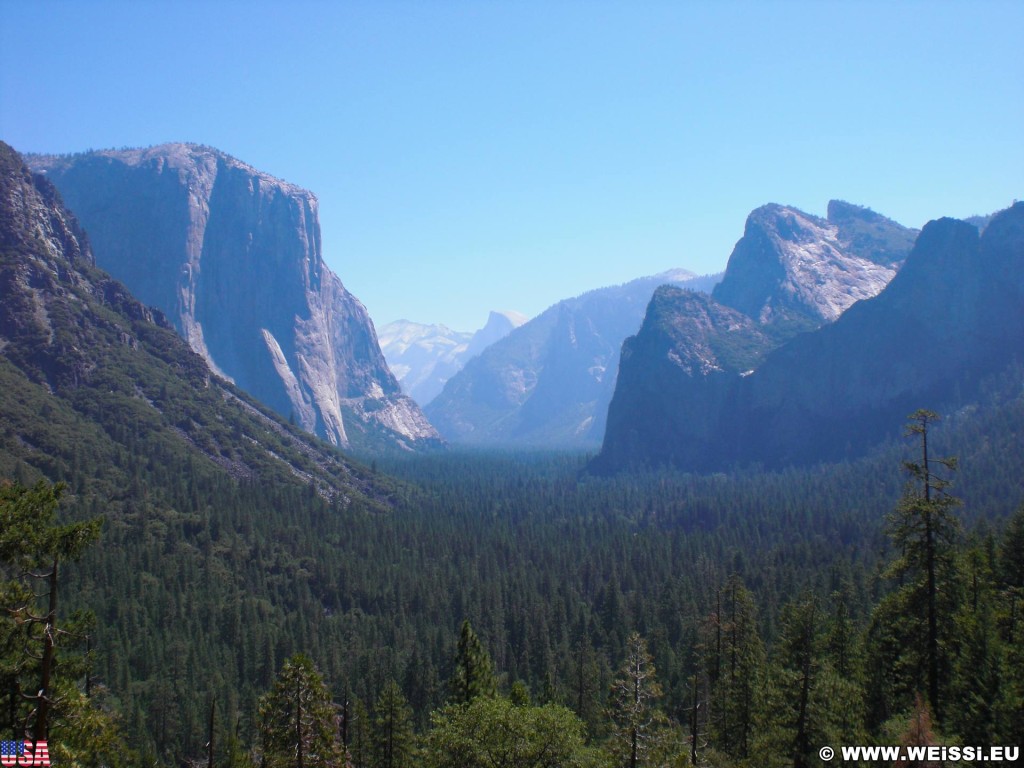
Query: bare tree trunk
{"points": [[41, 730]]}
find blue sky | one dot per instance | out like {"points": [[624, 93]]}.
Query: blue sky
{"points": [[471, 156]]}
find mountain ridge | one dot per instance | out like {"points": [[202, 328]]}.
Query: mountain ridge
{"points": [[950, 317], [423, 357], [547, 383], [795, 271], [791, 272]]}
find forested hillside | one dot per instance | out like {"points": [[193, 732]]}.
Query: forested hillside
{"points": [[234, 593], [203, 590]]}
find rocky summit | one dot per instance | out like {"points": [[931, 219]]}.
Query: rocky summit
{"points": [[792, 271], [950, 320], [232, 256]]}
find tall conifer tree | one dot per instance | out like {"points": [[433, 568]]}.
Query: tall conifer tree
{"points": [[635, 720], [393, 740], [924, 529], [297, 720], [474, 670]]}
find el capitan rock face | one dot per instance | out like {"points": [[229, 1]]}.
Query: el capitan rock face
{"points": [[89, 376], [233, 257], [953, 315]]}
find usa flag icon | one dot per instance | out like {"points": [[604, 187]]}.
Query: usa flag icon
{"points": [[24, 754]]}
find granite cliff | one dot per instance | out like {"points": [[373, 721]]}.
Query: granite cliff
{"points": [[674, 378], [951, 317], [552, 380], [793, 272], [98, 388], [232, 256]]}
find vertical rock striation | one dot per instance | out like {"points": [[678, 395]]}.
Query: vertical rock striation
{"points": [[233, 257]]}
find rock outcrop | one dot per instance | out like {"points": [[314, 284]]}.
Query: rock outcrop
{"points": [[674, 379], [233, 257], [952, 316], [793, 272], [92, 381], [549, 382]]}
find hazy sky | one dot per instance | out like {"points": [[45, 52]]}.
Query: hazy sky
{"points": [[471, 156]]}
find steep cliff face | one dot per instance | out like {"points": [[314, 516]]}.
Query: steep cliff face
{"points": [[90, 377], [233, 257], [790, 273], [674, 380], [793, 272], [869, 235], [40, 246], [549, 381], [951, 317]]}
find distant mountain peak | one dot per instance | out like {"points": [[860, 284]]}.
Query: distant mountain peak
{"points": [[870, 235], [514, 318], [675, 275], [549, 381], [840, 210], [424, 357]]}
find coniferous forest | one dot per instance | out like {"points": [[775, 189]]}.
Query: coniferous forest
{"points": [[511, 384], [516, 610], [187, 579]]}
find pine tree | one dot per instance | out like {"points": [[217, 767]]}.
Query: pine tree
{"points": [[1009, 706], [421, 683], [805, 703], [359, 741], [635, 720], [925, 530], [919, 733], [977, 677], [297, 720], [492, 732], [585, 676], [1011, 552], [393, 740], [33, 548], [801, 649], [474, 670], [736, 660], [1011, 575]]}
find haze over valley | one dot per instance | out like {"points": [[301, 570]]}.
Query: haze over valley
{"points": [[460, 386]]}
